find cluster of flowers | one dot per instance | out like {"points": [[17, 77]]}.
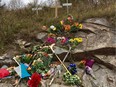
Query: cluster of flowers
{"points": [[63, 40], [71, 79], [67, 25]]}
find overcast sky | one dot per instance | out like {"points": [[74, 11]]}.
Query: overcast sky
{"points": [[24, 1]]}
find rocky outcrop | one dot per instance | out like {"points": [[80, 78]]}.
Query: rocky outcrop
{"points": [[104, 77], [98, 21], [98, 41]]}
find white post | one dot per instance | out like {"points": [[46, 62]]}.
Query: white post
{"points": [[56, 6], [67, 5], [36, 9], [67, 8]]}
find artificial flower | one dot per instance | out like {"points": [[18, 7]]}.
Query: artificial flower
{"points": [[76, 24], [50, 40], [72, 68], [35, 80], [78, 39], [71, 79], [71, 40], [54, 28], [80, 26], [67, 27], [51, 35], [62, 22], [3, 73]]}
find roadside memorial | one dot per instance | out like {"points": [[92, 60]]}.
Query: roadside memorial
{"points": [[38, 64]]}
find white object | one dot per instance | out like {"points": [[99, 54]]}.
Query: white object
{"points": [[36, 8], [67, 4]]}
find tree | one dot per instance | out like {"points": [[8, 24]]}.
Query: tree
{"points": [[15, 4], [2, 5]]}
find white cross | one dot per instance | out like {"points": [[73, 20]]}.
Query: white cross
{"points": [[56, 6], [36, 9], [67, 5]]}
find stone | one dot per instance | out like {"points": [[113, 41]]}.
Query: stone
{"points": [[59, 50], [41, 36], [4, 66], [96, 37], [109, 61], [100, 21], [104, 77], [98, 41]]}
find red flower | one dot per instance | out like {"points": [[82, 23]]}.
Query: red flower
{"points": [[35, 80], [4, 72]]}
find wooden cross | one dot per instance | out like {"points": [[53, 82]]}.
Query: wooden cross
{"points": [[56, 6], [67, 5], [36, 9]]}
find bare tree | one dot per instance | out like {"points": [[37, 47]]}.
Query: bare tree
{"points": [[35, 2], [2, 5], [15, 4]]}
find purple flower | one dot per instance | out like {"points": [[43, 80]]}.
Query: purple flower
{"points": [[50, 40], [90, 63]]}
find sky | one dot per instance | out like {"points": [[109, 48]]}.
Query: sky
{"points": [[24, 1]]}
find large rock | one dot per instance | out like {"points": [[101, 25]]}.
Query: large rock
{"points": [[99, 41], [109, 61], [99, 37], [104, 77], [100, 21]]}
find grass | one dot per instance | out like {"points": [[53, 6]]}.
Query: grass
{"points": [[24, 23]]}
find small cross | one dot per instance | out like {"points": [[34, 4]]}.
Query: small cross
{"points": [[56, 6], [36, 9], [67, 5]]}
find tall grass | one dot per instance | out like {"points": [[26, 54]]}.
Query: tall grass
{"points": [[25, 23]]}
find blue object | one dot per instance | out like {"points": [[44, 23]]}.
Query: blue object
{"points": [[22, 71], [72, 68]]}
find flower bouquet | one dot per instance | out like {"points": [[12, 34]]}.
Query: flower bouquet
{"points": [[71, 79]]}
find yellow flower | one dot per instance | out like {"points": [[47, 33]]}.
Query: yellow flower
{"points": [[80, 40], [61, 22], [80, 26], [76, 39], [71, 40], [54, 28]]}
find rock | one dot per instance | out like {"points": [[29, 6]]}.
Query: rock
{"points": [[98, 38], [1, 57], [41, 36], [109, 61], [22, 44], [7, 59], [94, 28], [4, 66], [100, 21], [104, 77], [99, 41], [59, 50], [57, 85]]}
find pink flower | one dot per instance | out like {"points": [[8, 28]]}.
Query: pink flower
{"points": [[50, 40]]}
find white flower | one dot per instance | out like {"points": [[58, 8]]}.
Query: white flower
{"points": [[52, 27]]}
